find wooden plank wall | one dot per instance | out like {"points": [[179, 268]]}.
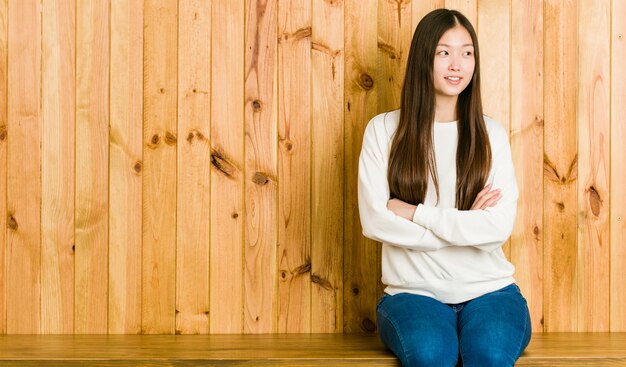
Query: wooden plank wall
{"points": [[190, 166]]}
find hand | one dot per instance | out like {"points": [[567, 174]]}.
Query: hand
{"points": [[401, 209], [486, 198]]}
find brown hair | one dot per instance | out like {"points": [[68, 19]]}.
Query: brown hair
{"points": [[412, 158]]}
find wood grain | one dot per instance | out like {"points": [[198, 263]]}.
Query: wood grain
{"points": [[467, 7], [23, 256], [527, 149], [4, 48], [261, 113], [361, 256], [560, 166], [593, 168], [294, 169], [57, 167], [227, 159], [92, 166], [194, 168], [618, 170], [494, 39], [394, 42], [327, 156], [126, 167], [420, 8], [548, 349], [160, 176]]}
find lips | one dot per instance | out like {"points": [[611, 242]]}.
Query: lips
{"points": [[453, 79]]}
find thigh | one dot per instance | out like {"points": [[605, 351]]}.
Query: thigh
{"points": [[494, 329], [420, 330]]}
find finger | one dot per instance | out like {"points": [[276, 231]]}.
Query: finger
{"points": [[484, 191], [480, 201], [492, 201]]}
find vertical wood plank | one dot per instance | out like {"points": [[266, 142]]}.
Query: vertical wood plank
{"points": [[363, 80], [327, 156], [194, 163], [260, 275], [23, 257], [422, 7], [394, 42], [4, 48], [126, 166], [57, 167], [227, 116], [467, 7], [560, 166], [527, 149], [593, 168], [294, 181], [92, 166], [494, 39], [618, 170], [159, 181]]}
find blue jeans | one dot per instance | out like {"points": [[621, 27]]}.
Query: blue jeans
{"points": [[491, 330]]}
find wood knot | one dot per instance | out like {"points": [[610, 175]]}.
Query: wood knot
{"points": [[368, 325], [170, 139], [561, 206], [3, 132], [154, 141], [536, 231], [288, 145], [365, 81], [355, 291], [538, 121], [260, 178], [595, 202], [322, 282], [221, 163], [256, 105], [283, 275], [195, 134], [137, 167], [12, 223], [303, 269], [73, 247], [235, 215], [162, 90]]}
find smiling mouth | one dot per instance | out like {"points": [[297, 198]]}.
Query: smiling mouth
{"points": [[453, 78]]}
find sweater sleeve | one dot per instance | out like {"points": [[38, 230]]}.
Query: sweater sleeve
{"points": [[378, 222], [484, 229]]}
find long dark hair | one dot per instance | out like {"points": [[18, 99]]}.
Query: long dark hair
{"points": [[412, 158]]}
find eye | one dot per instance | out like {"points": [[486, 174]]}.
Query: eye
{"points": [[468, 53], [444, 53]]}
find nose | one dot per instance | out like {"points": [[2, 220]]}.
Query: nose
{"points": [[454, 64]]}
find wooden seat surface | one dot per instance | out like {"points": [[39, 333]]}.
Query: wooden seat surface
{"points": [[553, 349]]}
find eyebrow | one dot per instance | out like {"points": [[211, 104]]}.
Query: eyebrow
{"points": [[465, 45]]}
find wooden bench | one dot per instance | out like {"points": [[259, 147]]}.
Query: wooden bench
{"points": [[296, 350]]}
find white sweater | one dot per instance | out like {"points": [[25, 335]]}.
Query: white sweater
{"points": [[449, 254]]}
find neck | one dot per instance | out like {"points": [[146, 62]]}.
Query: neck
{"points": [[445, 108]]}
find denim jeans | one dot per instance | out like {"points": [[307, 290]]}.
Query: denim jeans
{"points": [[491, 330]]}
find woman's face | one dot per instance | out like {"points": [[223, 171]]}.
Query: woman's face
{"points": [[454, 62]]}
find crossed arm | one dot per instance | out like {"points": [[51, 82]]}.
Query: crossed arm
{"points": [[428, 228]]}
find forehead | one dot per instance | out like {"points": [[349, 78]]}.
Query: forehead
{"points": [[456, 37]]}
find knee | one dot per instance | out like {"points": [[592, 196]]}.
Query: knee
{"points": [[432, 356], [486, 357]]}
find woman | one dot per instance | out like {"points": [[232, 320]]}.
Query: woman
{"points": [[437, 187]]}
